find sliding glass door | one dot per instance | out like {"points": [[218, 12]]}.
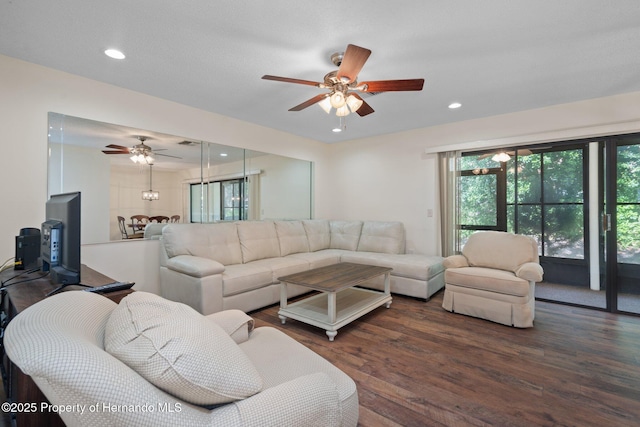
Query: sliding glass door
{"points": [[621, 222]]}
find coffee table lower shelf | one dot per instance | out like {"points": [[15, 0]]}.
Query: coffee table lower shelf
{"points": [[350, 304]]}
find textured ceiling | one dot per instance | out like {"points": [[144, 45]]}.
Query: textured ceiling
{"points": [[492, 56]]}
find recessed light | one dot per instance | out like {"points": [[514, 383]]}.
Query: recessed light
{"points": [[455, 105], [336, 130], [114, 53], [223, 154]]}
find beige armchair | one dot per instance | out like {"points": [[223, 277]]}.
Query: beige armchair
{"points": [[494, 278]]}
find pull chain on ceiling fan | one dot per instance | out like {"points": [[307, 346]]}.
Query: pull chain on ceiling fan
{"points": [[344, 87]]}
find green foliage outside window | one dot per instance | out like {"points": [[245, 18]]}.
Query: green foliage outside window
{"points": [[544, 198], [628, 199]]}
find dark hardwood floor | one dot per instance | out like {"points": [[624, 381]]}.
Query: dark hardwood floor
{"points": [[416, 364]]}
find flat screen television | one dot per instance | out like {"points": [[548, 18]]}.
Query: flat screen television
{"points": [[60, 238]]}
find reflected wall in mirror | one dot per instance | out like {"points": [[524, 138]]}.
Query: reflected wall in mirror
{"points": [[197, 181]]}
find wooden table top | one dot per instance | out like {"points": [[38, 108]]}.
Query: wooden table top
{"points": [[332, 278], [33, 287]]}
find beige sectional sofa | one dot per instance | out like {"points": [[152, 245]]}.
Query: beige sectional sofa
{"points": [[236, 265]]}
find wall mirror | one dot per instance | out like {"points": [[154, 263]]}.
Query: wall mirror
{"points": [[197, 181]]}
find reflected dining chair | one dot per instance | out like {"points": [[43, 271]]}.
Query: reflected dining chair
{"points": [[123, 230], [159, 218], [175, 218], [138, 223]]}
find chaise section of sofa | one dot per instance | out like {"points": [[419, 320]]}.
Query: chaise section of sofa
{"points": [[221, 266]]}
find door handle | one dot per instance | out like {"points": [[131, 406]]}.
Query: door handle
{"points": [[606, 222]]}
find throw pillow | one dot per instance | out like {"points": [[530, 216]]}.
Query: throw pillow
{"points": [[179, 350]]}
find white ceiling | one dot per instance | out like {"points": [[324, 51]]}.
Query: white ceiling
{"points": [[169, 151], [493, 56]]}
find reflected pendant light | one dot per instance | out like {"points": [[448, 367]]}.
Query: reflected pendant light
{"points": [[150, 195]]}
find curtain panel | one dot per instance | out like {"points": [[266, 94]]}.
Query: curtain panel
{"points": [[448, 177]]}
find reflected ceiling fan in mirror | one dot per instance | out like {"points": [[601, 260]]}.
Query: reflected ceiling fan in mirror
{"points": [[504, 156], [140, 153], [344, 88]]}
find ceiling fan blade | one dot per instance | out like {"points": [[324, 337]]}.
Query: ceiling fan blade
{"points": [[352, 62], [290, 80], [309, 102], [167, 155], [115, 152], [365, 108], [118, 147], [393, 85]]}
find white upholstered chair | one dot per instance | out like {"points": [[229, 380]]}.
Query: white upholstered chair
{"points": [[152, 362], [494, 278]]}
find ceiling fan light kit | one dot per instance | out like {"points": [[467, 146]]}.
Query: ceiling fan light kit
{"points": [[140, 153], [343, 85], [337, 99], [142, 159], [501, 157]]}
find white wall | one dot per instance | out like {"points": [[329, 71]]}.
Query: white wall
{"points": [[127, 261], [284, 187], [90, 176], [388, 179], [30, 91], [383, 178]]}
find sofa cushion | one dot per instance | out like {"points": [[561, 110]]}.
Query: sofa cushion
{"points": [[218, 242], [292, 237], [497, 249], [383, 237], [318, 234], [239, 278], [283, 266], [194, 265], [345, 234], [413, 266], [280, 359], [179, 350], [258, 240], [320, 258], [487, 279]]}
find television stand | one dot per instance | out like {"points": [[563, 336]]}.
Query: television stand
{"points": [[20, 388]]}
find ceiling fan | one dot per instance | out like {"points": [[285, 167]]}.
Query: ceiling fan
{"points": [[141, 153], [505, 156], [343, 85]]}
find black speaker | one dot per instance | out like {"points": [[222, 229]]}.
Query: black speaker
{"points": [[27, 249]]}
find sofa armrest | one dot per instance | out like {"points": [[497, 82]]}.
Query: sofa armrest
{"points": [[530, 271], [194, 266], [455, 261], [310, 400], [234, 322]]}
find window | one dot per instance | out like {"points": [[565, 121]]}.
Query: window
{"points": [[219, 201], [545, 199], [481, 196]]}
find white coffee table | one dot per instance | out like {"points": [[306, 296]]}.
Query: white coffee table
{"points": [[339, 302]]}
